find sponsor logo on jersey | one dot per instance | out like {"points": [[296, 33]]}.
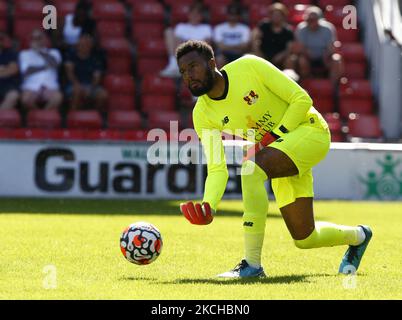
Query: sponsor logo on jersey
{"points": [[251, 97]]}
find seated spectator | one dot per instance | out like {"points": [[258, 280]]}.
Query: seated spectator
{"points": [[231, 38], [78, 23], [193, 29], [316, 38], [272, 37], [84, 70], [39, 70], [8, 75]]}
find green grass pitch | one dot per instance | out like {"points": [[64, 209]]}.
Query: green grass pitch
{"points": [[79, 240]]}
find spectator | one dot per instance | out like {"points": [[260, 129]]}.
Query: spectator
{"points": [[193, 29], [39, 69], [78, 23], [272, 37], [231, 38], [316, 38], [84, 70], [8, 75]]}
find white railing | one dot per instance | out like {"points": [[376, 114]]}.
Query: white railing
{"points": [[382, 31]]}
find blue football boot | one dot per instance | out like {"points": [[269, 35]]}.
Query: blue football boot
{"points": [[353, 256], [243, 270]]}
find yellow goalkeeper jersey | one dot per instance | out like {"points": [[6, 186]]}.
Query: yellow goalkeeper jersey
{"points": [[258, 98]]}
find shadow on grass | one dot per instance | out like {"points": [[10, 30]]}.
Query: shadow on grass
{"points": [[99, 206]]}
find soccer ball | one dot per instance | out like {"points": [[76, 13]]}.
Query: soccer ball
{"points": [[141, 243]]}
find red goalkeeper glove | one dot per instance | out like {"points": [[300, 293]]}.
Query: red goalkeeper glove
{"points": [[200, 214], [266, 140]]}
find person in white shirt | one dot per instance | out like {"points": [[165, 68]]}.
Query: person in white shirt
{"points": [[231, 38], [194, 29], [39, 70]]}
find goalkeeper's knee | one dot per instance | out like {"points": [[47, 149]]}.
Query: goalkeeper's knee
{"points": [[307, 243]]}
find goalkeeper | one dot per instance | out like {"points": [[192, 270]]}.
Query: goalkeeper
{"points": [[290, 136]]}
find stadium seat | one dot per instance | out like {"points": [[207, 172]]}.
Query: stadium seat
{"points": [[179, 13], [121, 102], [336, 3], [355, 70], [134, 135], [119, 47], [364, 126], [10, 118], [162, 119], [211, 3], [318, 87], [290, 3], [155, 103], [28, 9], [144, 11], [121, 119], [152, 30], [178, 2], [64, 7], [121, 84], [248, 3], [335, 126], [355, 88], [218, 13], [107, 10], [67, 134], [353, 52], [152, 84], [22, 29], [119, 65], [351, 105], [3, 15], [257, 12], [347, 35], [110, 29], [44, 119], [296, 13], [151, 48], [334, 14], [150, 65], [89, 119], [100, 134], [324, 104]]}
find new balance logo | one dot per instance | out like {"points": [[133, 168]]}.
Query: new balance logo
{"points": [[248, 224], [225, 120]]}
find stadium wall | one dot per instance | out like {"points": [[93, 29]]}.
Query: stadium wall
{"points": [[114, 170]]}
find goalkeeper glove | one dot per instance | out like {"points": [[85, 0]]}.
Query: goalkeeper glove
{"points": [[200, 214]]}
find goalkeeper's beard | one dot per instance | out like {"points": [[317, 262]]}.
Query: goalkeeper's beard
{"points": [[207, 84]]}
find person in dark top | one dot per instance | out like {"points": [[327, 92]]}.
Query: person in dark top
{"points": [[272, 36], [8, 75], [84, 69]]}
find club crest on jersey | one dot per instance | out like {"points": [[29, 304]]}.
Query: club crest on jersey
{"points": [[251, 97]]}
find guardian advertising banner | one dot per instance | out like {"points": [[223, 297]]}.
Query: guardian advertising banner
{"points": [[39, 169]]}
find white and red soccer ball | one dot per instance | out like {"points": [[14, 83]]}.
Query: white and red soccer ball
{"points": [[141, 243]]}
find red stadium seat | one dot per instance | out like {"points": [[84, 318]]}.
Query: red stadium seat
{"points": [[44, 119], [337, 3], [351, 105], [162, 119], [152, 30], [134, 135], [96, 134], [211, 3], [144, 11], [334, 122], [3, 9], [67, 134], [23, 28], [154, 84], [64, 7], [178, 2], [124, 120], [355, 88], [324, 104], [364, 126], [151, 48], [123, 84], [334, 15], [257, 12], [121, 102], [353, 52], [218, 13], [290, 3], [318, 87], [106, 10], [296, 13], [89, 119], [154, 103], [355, 70], [10, 118], [179, 13], [110, 29], [29, 9], [150, 65], [119, 47], [119, 65], [347, 35]]}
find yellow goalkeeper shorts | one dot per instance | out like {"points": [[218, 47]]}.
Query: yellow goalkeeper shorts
{"points": [[306, 146]]}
